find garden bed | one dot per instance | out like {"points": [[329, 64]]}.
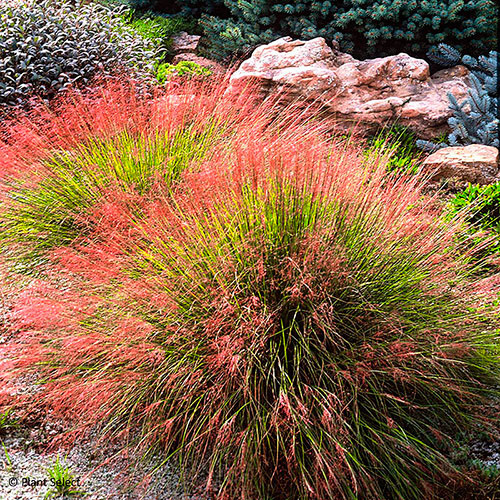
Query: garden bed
{"points": [[214, 287]]}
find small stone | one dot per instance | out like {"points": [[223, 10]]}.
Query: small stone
{"points": [[477, 164], [184, 42]]}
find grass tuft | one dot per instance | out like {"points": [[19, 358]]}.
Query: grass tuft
{"points": [[63, 481]]}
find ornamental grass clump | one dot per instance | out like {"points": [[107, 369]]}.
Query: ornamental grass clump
{"points": [[292, 321]]}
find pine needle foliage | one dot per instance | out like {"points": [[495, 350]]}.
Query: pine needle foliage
{"points": [[475, 120], [362, 28]]}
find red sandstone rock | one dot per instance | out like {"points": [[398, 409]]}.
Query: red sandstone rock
{"points": [[368, 93], [475, 163]]}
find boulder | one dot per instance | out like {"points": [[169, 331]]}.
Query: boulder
{"points": [[184, 42], [476, 163], [366, 93]]}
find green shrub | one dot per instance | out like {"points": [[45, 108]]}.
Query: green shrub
{"points": [[46, 46], [159, 29], [183, 68], [185, 6], [485, 202], [400, 144], [483, 206]]}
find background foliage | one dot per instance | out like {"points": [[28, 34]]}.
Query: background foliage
{"points": [[182, 68], [363, 28], [400, 144], [48, 45], [482, 203], [159, 28]]}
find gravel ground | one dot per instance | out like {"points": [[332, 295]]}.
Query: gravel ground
{"points": [[487, 452], [24, 476]]}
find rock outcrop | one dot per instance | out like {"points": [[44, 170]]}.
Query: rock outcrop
{"points": [[365, 93], [476, 163]]}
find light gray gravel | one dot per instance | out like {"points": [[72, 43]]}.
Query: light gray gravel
{"points": [[24, 476], [487, 452]]}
